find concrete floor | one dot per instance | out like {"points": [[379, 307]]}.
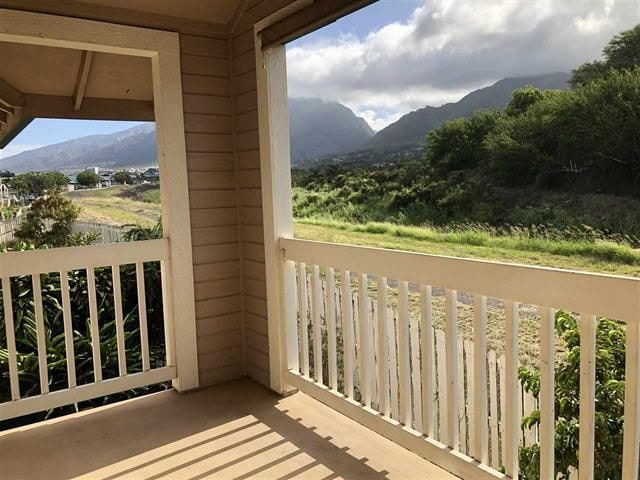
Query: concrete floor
{"points": [[238, 430]]}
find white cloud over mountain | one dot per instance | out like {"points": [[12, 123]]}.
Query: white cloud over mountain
{"points": [[447, 48]]}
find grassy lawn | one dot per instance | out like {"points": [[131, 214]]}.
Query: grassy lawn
{"points": [[108, 206], [603, 257]]}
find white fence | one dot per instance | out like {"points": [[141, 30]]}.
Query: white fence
{"points": [[8, 229], [416, 385], [62, 261]]}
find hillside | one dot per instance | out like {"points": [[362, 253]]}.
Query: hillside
{"points": [[134, 147], [412, 128], [319, 128]]}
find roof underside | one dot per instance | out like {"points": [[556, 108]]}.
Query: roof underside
{"points": [[48, 82]]}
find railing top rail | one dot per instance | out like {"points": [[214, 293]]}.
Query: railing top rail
{"points": [[13, 264], [598, 294]]}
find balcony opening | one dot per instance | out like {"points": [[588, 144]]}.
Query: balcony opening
{"points": [[452, 130], [83, 322]]}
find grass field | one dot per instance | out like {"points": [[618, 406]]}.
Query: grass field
{"points": [[604, 257], [109, 206]]}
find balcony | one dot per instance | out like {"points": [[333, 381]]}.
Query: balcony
{"points": [[238, 430], [358, 344]]}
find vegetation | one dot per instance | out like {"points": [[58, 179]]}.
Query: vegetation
{"points": [[531, 247], [88, 178], [124, 177], [48, 221], [560, 159], [116, 206], [38, 183], [609, 397]]}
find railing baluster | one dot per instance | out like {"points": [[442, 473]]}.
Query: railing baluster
{"points": [[547, 407], [364, 362], [383, 348], [480, 397], [68, 329], [316, 322], [11, 338], [40, 333], [117, 306], [512, 410], [142, 313], [451, 340], [416, 380], [304, 317], [347, 332], [167, 312], [393, 364], [428, 362], [331, 328], [95, 328], [403, 354], [631, 442], [586, 447]]}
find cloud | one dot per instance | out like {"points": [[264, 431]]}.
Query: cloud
{"points": [[14, 149], [447, 48]]}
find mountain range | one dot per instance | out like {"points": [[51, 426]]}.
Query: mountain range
{"points": [[318, 128]]}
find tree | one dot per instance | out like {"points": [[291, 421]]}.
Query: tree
{"points": [[88, 178], [38, 183], [609, 397], [123, 177], [48, 221], [622, 52]]}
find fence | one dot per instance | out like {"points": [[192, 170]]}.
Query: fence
{"points": [[108, 233], [8, 229]]}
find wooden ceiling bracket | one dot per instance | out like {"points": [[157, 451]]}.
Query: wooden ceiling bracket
{"points": [[10, 96], [83, 79]]}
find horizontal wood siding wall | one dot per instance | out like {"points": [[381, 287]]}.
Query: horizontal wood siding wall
{"points": [[214, 212], [245, 106]]}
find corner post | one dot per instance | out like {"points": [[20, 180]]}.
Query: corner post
{"points": [[176, 222], [275, 167]]}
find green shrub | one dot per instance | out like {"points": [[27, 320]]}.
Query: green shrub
{"points": [[609, 395]]}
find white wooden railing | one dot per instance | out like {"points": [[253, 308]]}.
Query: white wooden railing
{"points": [[389, 383], [62, 261]]}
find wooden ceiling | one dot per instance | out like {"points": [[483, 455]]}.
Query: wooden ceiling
{"points": [[50, 82]]}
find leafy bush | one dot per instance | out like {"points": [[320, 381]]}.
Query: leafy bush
{"points": [[48, 221], [88, 178], [610, 376]]}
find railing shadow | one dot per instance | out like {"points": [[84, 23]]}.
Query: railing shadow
{"points": [[237, 430]]}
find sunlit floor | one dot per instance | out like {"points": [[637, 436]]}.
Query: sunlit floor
{"points": [[238, 430]]}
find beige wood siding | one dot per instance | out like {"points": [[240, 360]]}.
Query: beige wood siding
{"points": [[214, 207]]}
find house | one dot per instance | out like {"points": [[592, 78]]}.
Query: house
{"points": [[237, 305]]}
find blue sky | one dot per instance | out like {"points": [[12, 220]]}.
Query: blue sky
{"points": [[45, 131], [395, 56]]}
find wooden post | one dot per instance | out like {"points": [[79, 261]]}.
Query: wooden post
{"points": [[275, 169]]}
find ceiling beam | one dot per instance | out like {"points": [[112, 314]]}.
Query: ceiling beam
{"points": [[10, 96], [52, 106], [6, 109], [4, 118], [83, 79]]}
